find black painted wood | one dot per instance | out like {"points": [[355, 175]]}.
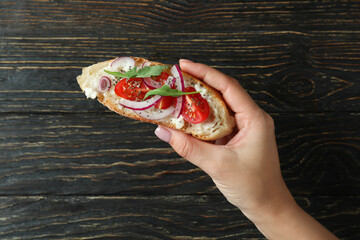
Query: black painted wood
{"points": [[103, 153], [153, 217], [72, 169]]}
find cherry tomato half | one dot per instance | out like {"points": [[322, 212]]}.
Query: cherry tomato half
{"points": [[162, 78], [196, 108], [132, 89], [166, 101]]}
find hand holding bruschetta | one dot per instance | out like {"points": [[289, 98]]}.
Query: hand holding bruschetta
{"points": [[245, 164]]}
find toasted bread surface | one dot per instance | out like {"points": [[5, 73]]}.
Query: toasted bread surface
{"points": [[219, 123]]}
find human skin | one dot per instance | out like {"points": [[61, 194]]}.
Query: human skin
{"points": [[245, 165]]}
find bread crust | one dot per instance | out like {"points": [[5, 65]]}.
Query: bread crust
{"points": [[224, 119]]}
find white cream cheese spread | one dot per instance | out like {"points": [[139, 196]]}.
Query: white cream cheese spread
{"points": [[178, 122], [90, 92]]}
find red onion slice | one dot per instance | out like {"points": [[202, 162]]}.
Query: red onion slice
{"points": [[176, 72], [180, 85], [145, 64], [152, 83], [179, 106], [155, 115], [123, 63], [140, 105], [171, 81], [104, 84]]}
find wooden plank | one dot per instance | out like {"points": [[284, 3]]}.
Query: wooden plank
{"points": [[98, 17], [245, 52], [288, 89], [110, 154], [159, 217]]}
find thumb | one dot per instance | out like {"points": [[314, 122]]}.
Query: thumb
{"points": [[196, 151]]}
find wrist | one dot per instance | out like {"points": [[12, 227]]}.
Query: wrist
{"points": [[280, 203], [274, 225], [287, 220]]}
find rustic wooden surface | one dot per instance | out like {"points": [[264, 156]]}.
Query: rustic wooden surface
{"points": [[71, 169]]}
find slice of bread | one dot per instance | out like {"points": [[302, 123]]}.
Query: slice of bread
{"points": [[219, 123]]}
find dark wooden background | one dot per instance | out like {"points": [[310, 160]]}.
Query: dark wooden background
{"points": [[71, 169]]}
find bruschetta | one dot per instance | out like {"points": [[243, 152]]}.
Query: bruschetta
{"points": [[160, 94]]}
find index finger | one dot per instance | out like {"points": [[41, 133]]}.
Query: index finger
{"points": [[234, 95]]}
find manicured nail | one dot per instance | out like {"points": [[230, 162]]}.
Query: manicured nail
{"points": [[185, 60], [163, 134]]}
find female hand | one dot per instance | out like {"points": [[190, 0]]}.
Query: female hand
{"points": [[245, 165]]}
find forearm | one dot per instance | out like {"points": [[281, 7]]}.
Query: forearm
{"points": [[245, 166], [293, 224]]}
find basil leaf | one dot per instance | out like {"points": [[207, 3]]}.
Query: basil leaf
{"points": [[165, 90], [147, 71]]}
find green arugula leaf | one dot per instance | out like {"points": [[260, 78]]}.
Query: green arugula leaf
{"points": [[116, 74], [147, 71], [165, 90]]}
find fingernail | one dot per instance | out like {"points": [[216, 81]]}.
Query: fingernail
{"points": [[185, 60], [163, 134]]}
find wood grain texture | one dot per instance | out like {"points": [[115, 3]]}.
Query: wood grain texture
{"points": [[71, 169], [110, 154], [112, 16], [156, 217]]}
